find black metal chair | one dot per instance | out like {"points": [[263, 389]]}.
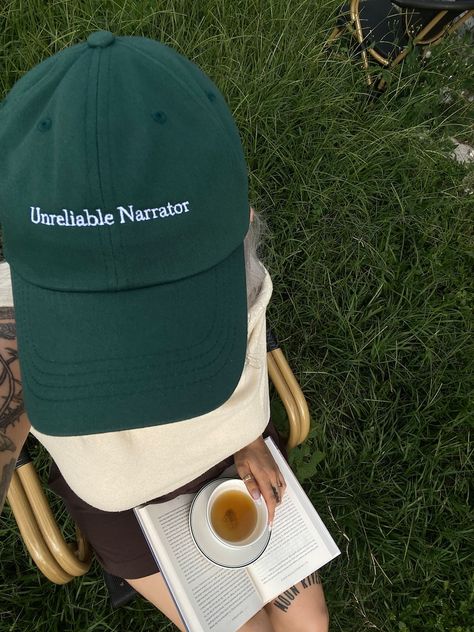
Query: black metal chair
{"points": [[386, 31]]}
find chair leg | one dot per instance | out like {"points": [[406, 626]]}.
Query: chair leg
{"points": [[459, 22], [355, 22], [120, 591], [416, 40], [335, 34]]}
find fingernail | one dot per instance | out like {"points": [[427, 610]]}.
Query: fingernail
{"points": [[256, 494], [270, 525]]}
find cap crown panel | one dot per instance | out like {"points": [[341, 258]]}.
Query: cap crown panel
{"points": [[106, 195]]}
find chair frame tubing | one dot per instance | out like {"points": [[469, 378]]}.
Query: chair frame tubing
{"points": [[355, 28]]}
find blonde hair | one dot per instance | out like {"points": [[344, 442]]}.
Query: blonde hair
{"points": [[254, 269]]}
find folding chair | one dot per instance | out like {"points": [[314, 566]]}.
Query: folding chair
{"points": [[387, 31], [59, 561]]}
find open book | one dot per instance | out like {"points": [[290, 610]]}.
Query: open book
{"points": [[211, 598]]}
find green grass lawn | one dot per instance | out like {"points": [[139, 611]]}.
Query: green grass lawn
{"points": [[369, 245]]}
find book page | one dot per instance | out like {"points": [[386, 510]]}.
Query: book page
{"points": [[300, 543], [209, 598]]}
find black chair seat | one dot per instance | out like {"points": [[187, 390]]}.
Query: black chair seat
{"points": [[386, 31], [382, 27], [439, 5], [120, 591]]}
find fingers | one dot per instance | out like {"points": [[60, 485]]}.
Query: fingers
{"points": [[259, 471], [251, 485], [271, 501], [271, 488], [273, 494]]}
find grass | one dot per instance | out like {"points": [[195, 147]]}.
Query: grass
{"points": [[370, 251]]}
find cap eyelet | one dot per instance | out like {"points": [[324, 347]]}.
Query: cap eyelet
{"points": [[159, 117], [44, 125], [211, 96]]}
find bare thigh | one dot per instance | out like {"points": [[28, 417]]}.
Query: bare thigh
{"points": [[302, 608], [154, 589]]}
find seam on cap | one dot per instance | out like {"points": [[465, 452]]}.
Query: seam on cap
{"points": [[18, 96], [210, 112], [219, 285], [97, 52], [87, 139], [224, 347], [125, 259]]}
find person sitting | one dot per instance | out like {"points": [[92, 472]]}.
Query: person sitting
{"points": [[141, 343]]}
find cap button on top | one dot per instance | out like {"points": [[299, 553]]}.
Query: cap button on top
{"points": [[100, 39]]}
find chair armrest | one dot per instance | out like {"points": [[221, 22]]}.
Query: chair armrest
{"points": [[296, 406], [70, 561], [31, 534], [289, 391], [287, 399], [57, 560]]}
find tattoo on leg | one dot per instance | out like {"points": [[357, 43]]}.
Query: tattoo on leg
{"points": [[312, 579], [284, 601]]}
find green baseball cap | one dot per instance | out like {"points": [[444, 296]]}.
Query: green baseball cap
{"points": [[124, 206]]}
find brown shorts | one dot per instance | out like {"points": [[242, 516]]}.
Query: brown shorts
{"points": [[115, 536]]}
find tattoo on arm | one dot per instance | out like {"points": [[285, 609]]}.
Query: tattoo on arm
{"points": [[7, 313], [11, 400], [6, 443], [284, 601]]}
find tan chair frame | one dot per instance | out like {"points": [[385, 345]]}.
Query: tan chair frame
{"points": [[59, 561], [355, 28]]}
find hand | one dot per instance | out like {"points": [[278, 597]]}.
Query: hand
{"points": [[257, 460]]}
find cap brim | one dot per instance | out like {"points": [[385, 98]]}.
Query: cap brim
{"points": [[105, 361]]}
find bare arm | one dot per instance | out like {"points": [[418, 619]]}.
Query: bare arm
{"points": [[14, 423]]}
